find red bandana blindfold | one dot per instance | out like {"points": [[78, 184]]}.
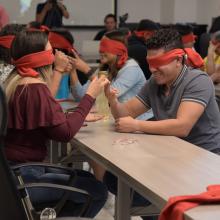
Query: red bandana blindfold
{"points": [[59, 42], [193, 58], [189, 38], [114, 47], [26, 64], [6, 41], [144, 34]]}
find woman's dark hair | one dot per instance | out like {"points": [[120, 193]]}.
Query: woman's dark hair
{"points": [[27, 42], [118, 36], [167, 39], [10, 29]]}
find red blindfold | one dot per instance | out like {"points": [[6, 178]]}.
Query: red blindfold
{"points": [[189, 38], [114, 47], [26, 64], [59, 42], [193, 58], [6, 41], [143, 34]]}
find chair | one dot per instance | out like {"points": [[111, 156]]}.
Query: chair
{"points": [[14, 199]]}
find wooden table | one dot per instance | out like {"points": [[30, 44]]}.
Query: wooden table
{"points": [[157, 167]]}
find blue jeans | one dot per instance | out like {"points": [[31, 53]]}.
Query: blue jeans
{"points": [[44, 197], [111, 181]]}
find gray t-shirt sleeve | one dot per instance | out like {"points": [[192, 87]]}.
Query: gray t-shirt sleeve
{"points": [[200, 89], [143, 95]]}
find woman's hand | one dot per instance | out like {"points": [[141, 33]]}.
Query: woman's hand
{"points": [[62, 62], [96, 86], [79, 64]]}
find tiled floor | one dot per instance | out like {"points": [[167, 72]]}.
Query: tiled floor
{"points": [[105, 215]]}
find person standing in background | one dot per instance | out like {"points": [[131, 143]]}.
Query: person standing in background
{"points": [[4, 18], [51, 13], [110, 21]]}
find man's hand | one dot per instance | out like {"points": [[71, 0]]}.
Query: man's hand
{"points": [[111, 93], [126, 124]]}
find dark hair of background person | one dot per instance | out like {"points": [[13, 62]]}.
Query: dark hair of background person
{"points": [[110, 16], [10, 29]]}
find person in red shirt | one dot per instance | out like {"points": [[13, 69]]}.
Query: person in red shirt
{"points": [[34, 117]]}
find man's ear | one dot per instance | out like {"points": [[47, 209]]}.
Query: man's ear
{"points": [[181, 59]]}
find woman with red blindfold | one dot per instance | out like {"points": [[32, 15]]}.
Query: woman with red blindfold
{"points": [[7, 35], [124, 73], [212, 61], [35, 117]]}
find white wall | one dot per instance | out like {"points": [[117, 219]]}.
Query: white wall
{"points": [[139, 9], [185, 11], [164, 11]]}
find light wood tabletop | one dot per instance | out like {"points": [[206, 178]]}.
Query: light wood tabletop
{"points": [[158, 167]]}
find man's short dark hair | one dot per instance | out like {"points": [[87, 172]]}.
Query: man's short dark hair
{"points": [[110, 16], [168, 39], [183, 29], [147, 24]]}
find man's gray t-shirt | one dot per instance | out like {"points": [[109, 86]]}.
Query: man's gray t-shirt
{"points": [[191, 85]]}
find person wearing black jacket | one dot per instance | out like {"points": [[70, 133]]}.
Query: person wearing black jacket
{"points": [[137, 44]]}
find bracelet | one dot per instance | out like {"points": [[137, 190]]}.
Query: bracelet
{"points": [[58, 70]]}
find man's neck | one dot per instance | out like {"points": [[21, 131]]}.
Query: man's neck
{"points": [[169, 84]]}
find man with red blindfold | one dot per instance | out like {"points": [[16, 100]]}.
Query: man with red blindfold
{"points": [[182, 98], [212, 61], [186, 32], [137, 48], [7, 35]]}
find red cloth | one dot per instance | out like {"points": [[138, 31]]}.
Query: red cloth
{"points": [[6, 41], [176, 206], [26, 64], [34, 116], [144, 33], [193, 58], [42, 28], [189, 38], [59, 42], [114, 47]]}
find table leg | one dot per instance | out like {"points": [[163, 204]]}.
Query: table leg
{"points": [[123, 201]]}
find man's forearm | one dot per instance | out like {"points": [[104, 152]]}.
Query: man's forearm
{"points": [[118, 109], [172, 127]]}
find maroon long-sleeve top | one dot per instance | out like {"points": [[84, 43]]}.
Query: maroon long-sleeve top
{"points": [[34, 116]]}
